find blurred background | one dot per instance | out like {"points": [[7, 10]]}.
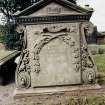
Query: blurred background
{"points": [[98, 17]]}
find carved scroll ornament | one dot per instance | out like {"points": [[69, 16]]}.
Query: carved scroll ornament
{"points": [[88, 65], [23, 69]]}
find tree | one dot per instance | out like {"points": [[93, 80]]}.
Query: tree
{"points": [[22, 4], [8, 8]]}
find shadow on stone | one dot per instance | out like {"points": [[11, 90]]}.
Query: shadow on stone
{"points": [[7, 73]]}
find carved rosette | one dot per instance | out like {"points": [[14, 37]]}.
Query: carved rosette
{"points": [[89, 76], [24, 79], [88, 65]]}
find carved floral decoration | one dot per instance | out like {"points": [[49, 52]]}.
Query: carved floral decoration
{"points": [[88, 65], [82, 60], [51, 33]]}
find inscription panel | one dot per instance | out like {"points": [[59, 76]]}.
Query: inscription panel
{"points": [[55, 53], [56, 66]]}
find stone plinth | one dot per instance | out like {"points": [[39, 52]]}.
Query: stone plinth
{"points": [[56, 90]]}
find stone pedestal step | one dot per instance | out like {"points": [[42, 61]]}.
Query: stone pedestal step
{"points": [[55, 90]]}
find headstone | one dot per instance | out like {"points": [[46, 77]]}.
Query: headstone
{"points": [[55, 51]]}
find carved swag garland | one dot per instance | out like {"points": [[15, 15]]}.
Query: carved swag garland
{"points": [[23, 78], [51, 34]]}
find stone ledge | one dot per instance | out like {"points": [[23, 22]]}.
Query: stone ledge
{"points": [[63, 90]]}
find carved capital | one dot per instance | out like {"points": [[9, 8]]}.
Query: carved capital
{"points": [[20, 29]]}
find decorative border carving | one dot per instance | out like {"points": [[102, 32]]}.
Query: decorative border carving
{"points": [[52, 18], [23, 71], [88, 64], [23, 78], [47, 36]]}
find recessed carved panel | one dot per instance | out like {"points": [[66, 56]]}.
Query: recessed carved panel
{"points": [[55, 50], [55, 54]]}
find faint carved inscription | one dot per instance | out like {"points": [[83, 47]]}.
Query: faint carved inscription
{"points": [[62, 33], [54, 10]]}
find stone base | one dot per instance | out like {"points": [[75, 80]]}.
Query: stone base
{"points": [[70, 90]]}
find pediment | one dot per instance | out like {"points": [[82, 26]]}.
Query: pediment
{"points": [[52, 7]]}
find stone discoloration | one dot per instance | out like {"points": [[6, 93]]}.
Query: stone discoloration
{"points": [[55, 51]]}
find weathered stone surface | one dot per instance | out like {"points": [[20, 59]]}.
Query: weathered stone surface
{"points": [[53, 9], [55, 51], [56, 66], [57, 90]]}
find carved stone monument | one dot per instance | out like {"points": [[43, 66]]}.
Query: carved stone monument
{"points": [[55, 51]]}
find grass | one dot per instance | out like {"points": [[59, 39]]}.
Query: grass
{"points": [[102, 46], [4, 53], [73, 100], [2, 39], [100, 62], [86, 100]]}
